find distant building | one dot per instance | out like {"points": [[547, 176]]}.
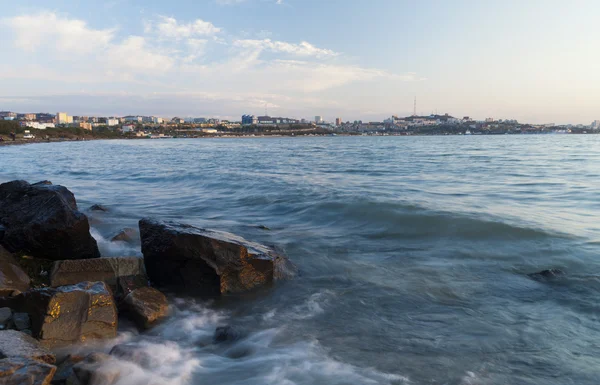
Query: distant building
{"points": [[489, 120], [157, 120], [338, 121], [86, 126], [318, 119], [596, 124], [127, 128], [111, 122], [248, 120], [130, 118], [209, 130], [61, 118]]}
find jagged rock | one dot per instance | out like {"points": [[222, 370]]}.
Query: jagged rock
{"points": [[190, 259], [24, 371], [95, 369], [21, 321], [121, 274], [17, 344], [69, 314], [12, 278], [42, 220], [146, 306], [126, 235], [98, 208]]}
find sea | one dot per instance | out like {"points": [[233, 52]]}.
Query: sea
{"points": [[414, 254]]}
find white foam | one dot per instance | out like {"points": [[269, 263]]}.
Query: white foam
{"points": [[109, 248]]}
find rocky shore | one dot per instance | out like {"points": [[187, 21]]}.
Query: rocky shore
{"points": [[57, 293]]}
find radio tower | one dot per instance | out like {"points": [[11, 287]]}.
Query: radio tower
{"points": [[415, 108]]}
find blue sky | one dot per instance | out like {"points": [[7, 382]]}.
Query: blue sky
{"points": [[532, 60]]}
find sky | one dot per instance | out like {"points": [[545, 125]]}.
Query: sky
{"points": [[537, 61]]}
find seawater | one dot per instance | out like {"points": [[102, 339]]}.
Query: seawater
{"points": [[413, 254]]}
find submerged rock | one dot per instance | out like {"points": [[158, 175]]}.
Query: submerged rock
{"points": [[113, 271], [95, 369], [69, 314], [146, 306], [97, 207], [187, 258], [126, 235], [65, 369], [17, 344], [547, 274], [42, 220], [12, 277], [134, 353], [227, 334], [24, 371]]}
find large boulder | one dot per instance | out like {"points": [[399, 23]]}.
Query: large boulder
{"points": [[69, 314], [24, 371], [12, 278], [42, 220], [18, 344], [146, 306], [116, 272], [189, 259]]}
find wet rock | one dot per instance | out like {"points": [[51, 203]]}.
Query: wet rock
{"points": [[146, 306], [121, 274], [95, 369], [24, 371], [98, 208], [126, 235], [69, 314], [227, 334], [547, 274], [65, 369], [12, 278], [21, 321], [134, 353], [190, 259], [42, 220], [17, 344]]}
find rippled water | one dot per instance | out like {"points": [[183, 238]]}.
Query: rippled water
{"points": [[413, 253]]}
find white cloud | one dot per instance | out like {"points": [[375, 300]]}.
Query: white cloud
{"points": [[169, 27], [63, 34], [302, 49]]}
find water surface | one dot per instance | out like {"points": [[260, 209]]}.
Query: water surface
{"points": [[413, 253]]}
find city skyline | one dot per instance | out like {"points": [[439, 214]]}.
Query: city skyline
{"points": [[533, 62]]}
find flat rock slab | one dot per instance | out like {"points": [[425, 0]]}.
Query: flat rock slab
{"points": [[12, 277], [108, 270], [24, 371], [17, 344], [190, 259], [42, 220], [69, 314], [146, 306]]}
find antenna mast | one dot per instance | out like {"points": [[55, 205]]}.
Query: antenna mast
{"points": [[415, 108]]}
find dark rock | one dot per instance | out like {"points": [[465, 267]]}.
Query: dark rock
{"points": [[21, 321], [24, 371], [546, 274], [95, 369], [113, 271], [69, 314], [12, 278], [5, 317], [146, 306], [98, 208], [126, 235], [17, 344], [134, 353], [42, 220], [190, 259], [227, 334], [65, 369]]}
